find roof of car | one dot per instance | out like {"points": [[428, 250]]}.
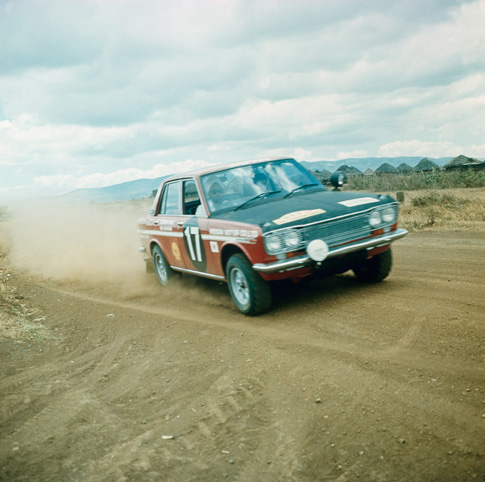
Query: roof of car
{"points": [[222, 167]]}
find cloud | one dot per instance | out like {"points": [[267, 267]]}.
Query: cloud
{"points": [[98, 91], [419, 148], [66, 183]]}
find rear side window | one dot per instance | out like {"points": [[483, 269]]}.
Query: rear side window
{"points": [[170, 199], [191, 197]]}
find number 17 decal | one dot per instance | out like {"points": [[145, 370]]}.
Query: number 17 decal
{"points": [[194, 246], [192, 235]]}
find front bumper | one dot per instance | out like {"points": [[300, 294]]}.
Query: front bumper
{"points": [[305, 260]]}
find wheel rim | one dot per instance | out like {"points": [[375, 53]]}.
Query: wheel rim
{"points": [[240, 286], [162, 272]]}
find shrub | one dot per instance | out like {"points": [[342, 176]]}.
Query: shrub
{"points": [[466, 178], [448, 201]]}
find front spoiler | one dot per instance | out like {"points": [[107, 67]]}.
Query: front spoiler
{"points": [[305, 260]]}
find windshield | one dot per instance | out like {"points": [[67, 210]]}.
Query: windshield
{"points": [[233, 188]]}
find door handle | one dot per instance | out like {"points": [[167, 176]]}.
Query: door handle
{"points": [[180, 223]]}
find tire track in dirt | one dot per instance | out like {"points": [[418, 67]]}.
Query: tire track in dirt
{"points": [[339, 380]]}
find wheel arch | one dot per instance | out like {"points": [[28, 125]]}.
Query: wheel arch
{"points": [[152, 245], [229, 250]]}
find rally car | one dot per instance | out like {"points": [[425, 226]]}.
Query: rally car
{"points": [[256, 222]]}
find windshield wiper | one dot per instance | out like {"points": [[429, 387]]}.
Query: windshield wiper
{"points": [[300, 188], [260, 195]]}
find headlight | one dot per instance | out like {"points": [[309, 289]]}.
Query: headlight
{"points": [[292, 239], [273, 243], [375, 218], [389, 215], [283, 241]]}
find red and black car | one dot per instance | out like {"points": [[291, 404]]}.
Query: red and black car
{"points": [[255, 222]]}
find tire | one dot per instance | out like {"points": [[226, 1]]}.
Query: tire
{"points": [[250, 292], [375, 269], [162, 269]]}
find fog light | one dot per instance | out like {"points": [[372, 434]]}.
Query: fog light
{"points": [[317, 249]]}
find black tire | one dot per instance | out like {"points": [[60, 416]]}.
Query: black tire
{"points": [[374, 269], [250, 292], [162, 269]]}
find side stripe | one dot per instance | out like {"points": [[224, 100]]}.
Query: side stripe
{"points": [[155, 232]]}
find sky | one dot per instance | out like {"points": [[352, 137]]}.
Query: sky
{"points": [[99, 92]]}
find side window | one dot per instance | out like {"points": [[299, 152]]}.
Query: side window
{"points": [[170, 199], [191, 197]]}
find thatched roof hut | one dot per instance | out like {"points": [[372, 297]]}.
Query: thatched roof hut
{"points": [[386, 168], [349, 170], [404, 168], [425, 165], [463, 162]]}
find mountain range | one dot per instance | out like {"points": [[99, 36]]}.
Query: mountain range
{"points": [[141, 188]]}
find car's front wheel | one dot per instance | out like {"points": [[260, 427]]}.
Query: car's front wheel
{"points": [[250, 292], [374, 269], [162, 268]]}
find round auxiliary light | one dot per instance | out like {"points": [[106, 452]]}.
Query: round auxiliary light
{"points": [[292, 239], [389, 215], [317, 249], [375, 218], [273, 243]]}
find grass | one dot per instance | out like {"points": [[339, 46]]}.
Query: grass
{"points": [[468, 178], [438, 200], [442, 210]]}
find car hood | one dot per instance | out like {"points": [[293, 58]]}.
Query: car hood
{"points": [[275, 213]]}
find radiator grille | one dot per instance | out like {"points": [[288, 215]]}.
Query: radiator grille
{"points": [[339, 231]]}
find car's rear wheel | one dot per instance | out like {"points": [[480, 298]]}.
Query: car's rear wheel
{"points": [[374, 269], [250, 292], [162, 268]]}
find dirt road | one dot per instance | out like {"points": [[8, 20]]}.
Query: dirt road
{"points": [[340, 381]]}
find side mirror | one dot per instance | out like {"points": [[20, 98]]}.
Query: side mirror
{"points": [[338, 179]]}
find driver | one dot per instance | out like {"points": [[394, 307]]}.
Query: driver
{"points": [[262, 181], [216, 195]]}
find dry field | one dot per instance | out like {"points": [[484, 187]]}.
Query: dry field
{"points": [[106, 376]]}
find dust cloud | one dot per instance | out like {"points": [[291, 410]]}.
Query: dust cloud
{"points": [[78, 242], [96, 244]]}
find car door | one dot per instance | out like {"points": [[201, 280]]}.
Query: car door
{"points": [[193, 227], [201, 251], [169, 220]]}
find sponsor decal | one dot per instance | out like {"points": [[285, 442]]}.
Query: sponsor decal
{"points": [[230, 234], [248, 234], [296, 215], [359, 201], [176, 251]]}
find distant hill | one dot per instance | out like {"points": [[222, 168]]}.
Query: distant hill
{"points": [[125, 191]]}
